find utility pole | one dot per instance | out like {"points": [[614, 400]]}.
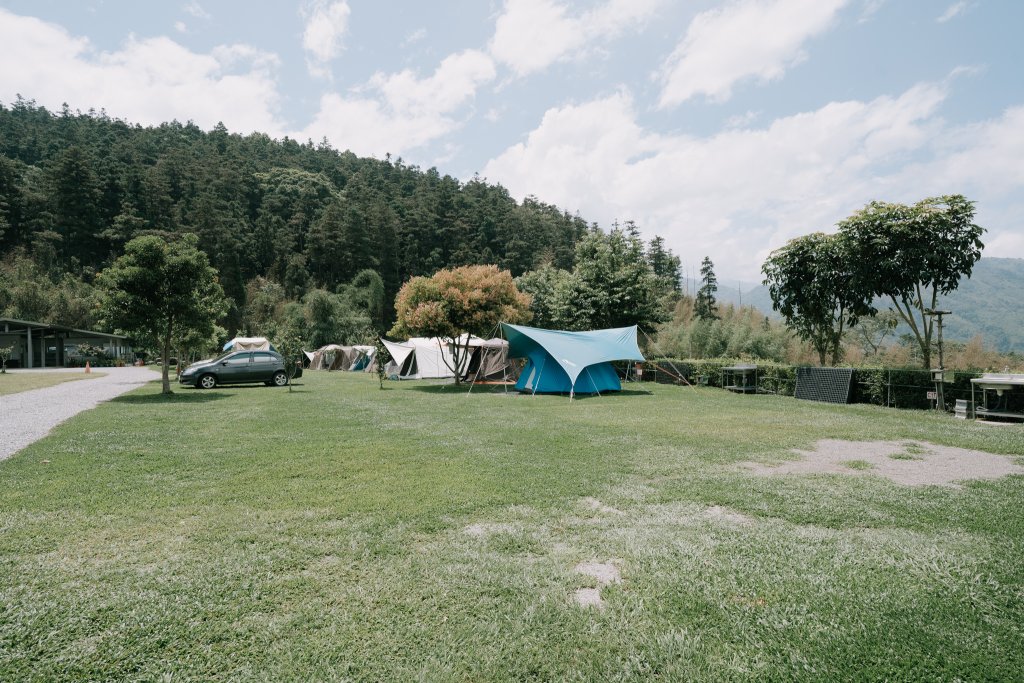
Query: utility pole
{"points": [[939, 374]]}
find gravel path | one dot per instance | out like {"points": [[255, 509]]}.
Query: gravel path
{"points": [[30, 415]]}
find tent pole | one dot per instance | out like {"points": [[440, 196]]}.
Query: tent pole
{"points": [[477, 375], [592, 381], [504, 368], [539, 375]]}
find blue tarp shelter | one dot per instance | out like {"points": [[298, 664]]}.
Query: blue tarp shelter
{"points": [[570, 362]]}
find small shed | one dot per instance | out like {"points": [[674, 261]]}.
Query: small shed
{"points": [[740, 378]]}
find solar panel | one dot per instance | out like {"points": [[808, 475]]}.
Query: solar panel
{"points": [[830, 385]]}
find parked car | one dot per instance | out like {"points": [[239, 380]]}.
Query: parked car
{"points": [[238, 367]]}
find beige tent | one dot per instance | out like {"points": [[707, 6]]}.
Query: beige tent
{"points": [[249, 344], [420, 358], [338, 357], [489, 361]]}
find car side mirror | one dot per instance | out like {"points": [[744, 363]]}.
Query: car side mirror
{"points": [[223, 362]]}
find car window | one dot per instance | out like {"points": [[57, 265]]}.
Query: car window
{"points": [[240, 359], [263, 357]]}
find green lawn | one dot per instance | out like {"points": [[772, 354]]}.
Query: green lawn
{"points": [[341, 532], [16, 382]]}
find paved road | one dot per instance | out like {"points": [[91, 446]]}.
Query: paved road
{"points": [[30, 415]]}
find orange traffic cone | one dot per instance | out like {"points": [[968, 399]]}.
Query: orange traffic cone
{"points": [[87, 368]]}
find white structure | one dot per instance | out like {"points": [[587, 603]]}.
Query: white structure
{"points": [[421, 358], [248, 344]]}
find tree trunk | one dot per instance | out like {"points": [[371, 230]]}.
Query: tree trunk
{"points": [[166, 352]]}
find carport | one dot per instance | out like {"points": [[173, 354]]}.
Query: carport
{"points": [[43, 345]]}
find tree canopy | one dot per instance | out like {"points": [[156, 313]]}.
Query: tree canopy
{"points": [[612, 285], [809, 281], [453, 302], [910, 254], [159, 290], [75, 188]]}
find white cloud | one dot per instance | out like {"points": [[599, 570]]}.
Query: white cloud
{"points": [[400, 111], [747, 39], [323, 36], [869, 10], [530, 35], [414, 37], [196, 10], [741, 193], [956, 9], [180, 27], [147, 81]]}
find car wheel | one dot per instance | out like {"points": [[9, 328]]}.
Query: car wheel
{"points": [[280, 379], [207, 382]]}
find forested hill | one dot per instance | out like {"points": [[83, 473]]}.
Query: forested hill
{"points": [[988, 303], [74, 188]]}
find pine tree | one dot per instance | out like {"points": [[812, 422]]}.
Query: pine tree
{"points": [[706, 307]]}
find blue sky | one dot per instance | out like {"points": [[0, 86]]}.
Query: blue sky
{"points": [[726, 127]]}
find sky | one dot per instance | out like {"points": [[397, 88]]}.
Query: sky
{"points": [[727, 128]]}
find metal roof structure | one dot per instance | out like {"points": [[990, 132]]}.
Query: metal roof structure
{"points": [[6, 323], [34, 341]]}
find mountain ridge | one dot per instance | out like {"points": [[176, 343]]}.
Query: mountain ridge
{"points": [[989, 303]]}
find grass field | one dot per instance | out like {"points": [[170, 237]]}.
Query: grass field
{"points": [[16, 382], [341, 532]]}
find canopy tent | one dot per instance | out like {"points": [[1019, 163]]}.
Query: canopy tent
{"points": [[570, 362], [489, 361], [249, 344], [421, 358], [363, 359], [338, 357]]}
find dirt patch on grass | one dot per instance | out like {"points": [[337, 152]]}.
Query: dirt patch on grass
{"points": [[597, 506], [481, 529], [722, 514], [605, 573], [911, 463]]}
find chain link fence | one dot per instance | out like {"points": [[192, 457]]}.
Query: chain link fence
{"points": [[908, 388]]}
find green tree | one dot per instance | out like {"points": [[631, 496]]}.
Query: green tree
{"points": [[367, 291], [613, 283], [5, 355], [913, 254], [159, 289], [666, 266], [872, 330], [810, 281], [75, 212], [289, 342], [333, 319], [470, 300], [381, 358], [264, 301], [705, 305], [550, 290]]}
